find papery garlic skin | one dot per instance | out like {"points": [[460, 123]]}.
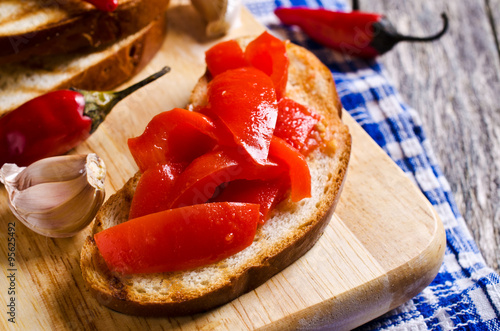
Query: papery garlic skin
{"points": [[218, 14], [57, 196]]}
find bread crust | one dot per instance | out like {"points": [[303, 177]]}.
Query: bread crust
{"points": [[82, 27], [119, 292]]}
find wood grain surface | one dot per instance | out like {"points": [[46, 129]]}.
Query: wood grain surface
{"points": [[384, 244], [454, 84]]}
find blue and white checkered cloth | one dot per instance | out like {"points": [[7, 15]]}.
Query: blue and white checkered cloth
{"points": [[466, 293]]}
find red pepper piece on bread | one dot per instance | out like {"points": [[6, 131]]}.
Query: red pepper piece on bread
{"points": [[152, 191], [179, 239], [298, 170], [225, 56], [174, 136], [295, 123], [266, 193], [245, 101], [268, 54], [198, 183]]}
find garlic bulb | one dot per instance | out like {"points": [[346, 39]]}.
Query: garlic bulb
{"points": [[57, 196], [218, 14]]}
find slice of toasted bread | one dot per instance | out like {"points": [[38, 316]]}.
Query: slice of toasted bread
{"points": [[33, 27], [102, 70], [290, 232]]}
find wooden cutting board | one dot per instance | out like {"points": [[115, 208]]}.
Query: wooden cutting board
{"points": [[384, 244]]}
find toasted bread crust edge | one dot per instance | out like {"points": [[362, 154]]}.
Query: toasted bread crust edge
{"points": [[112, 293], [88, 29]]}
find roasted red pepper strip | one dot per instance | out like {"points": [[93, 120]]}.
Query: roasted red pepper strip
{"points": [[198, 183], [295, 123], [266, 193], [224, 56], [56, 122], [268, 54], [179, 239], [355, 33], [175, 136], [298, 170], [152, 192], [245, 101], [104, 5]]}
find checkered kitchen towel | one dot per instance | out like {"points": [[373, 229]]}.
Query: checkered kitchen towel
{"points": [[465, 294]]}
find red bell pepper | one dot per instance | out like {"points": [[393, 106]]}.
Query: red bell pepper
{"points": [[355, 33], [313, 141], [198, 183], [298, 170], [224, 56], [153, 189], [56, 122], [268, 54], [175, 136], [295, 123], [266, 193], [179, 239], [244, 100]]}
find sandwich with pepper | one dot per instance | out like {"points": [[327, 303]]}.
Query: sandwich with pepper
{"points": [[230, 190]]}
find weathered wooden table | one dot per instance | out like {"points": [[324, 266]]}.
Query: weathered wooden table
{"points": [[454, 84]]}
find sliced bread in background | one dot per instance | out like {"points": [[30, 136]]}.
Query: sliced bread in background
{"points": [[98, 70], [43, 27]]}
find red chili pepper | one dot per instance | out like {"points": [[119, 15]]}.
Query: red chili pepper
{"points": [[104, 5], [355, 33], [56, 122]]}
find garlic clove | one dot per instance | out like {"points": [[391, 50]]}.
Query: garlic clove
{"points": [[58, 196], [34, 199], [52, 169], [218, 14]]}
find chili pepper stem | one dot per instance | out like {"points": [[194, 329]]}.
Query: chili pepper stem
{"points": [[429, 38], [355, 5], [98, 104], [386, 36]]}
